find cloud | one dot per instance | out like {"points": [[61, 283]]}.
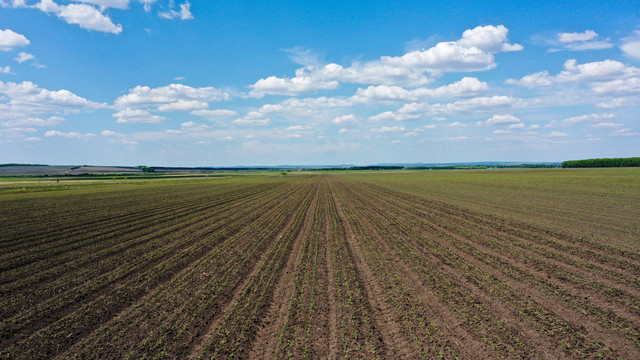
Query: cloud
{"points": [[458, 138], [83, 15], [301, 84], [595, 71], [183, 105], [344, 119], [631, 45], [386, 129], [572, 37], [304, 57], [147, 4], [557, 134], [607, 125], [306, 107], [183, 14], [68, 135], [613, 103], [108, 133], [345, 131], [170, 95], [624, 132], [10, 40], [584, 41], [629, 86], [465, 87], [215, 113], [28, 100], [538, 79], [473, 52], [474, 105], [297, 128], [51, 121], [5, 70], [132, 116], [116, 4], [253, 118], [500, 120], [88, 17], [590, 73], [488, 38], [581, 119], [23, 56]]}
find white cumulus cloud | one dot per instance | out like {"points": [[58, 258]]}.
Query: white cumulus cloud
{"points": [[344, 119], [88, 17], [386, 129], [23, 56], [22, 122], [500, 120], [538, 79], [183, 14], [465, 87], [68, 135], [116, 4], [253, 118], [557, 134], [144, 96], [132, 116], [632, 48], [27, 100], [587, 40], [215, 113], [183, 105], [473, 52], [581, 119], [10, 40]]}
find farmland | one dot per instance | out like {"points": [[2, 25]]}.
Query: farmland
{"points": [[406, 264]]}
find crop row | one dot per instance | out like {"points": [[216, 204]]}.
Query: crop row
{"points": [[126, 249], [454, 249], [87, 306]]}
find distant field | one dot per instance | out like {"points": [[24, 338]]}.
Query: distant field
{"points": [[405, 264]]}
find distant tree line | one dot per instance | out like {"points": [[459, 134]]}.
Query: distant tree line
{"points": [[611, 162]]}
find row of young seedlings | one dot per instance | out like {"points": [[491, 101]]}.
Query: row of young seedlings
{"points": [[466, 304], [591, 247], [499, 250], [191, 299], [565, 211], [236, 330], [619, 266], [419, 329], [79, 311], [294, 339], [563, 332], [358, 334], [586, 274], [125, 249], [81, 233], [153, 247], [73, 214]]}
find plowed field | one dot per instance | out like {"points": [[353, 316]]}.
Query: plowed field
{"points": [[513, 264]]}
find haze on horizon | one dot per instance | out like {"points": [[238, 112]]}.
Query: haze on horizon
{"points": [[195, 83]]}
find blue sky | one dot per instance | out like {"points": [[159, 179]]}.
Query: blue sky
{"points": [[200, 83]]}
